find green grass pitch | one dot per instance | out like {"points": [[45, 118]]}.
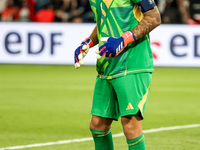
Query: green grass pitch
{"points": [[49, 103]]}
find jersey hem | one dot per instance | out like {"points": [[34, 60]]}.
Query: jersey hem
{"points": [[104, 116], [124, 74]]}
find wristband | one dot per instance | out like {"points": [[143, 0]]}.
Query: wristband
{"points": [[89, 42], [128, 37]]}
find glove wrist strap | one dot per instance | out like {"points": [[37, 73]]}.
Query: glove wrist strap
{"points": [[128, 37], [89, 42]]}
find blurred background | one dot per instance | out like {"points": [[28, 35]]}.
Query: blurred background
{"points": [[78, 11]]}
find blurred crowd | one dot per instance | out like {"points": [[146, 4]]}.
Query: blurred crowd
{"points": [[179, 11], [78, 11]]}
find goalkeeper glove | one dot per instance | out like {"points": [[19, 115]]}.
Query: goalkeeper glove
{"points": [[114, 46], [81, 51]]}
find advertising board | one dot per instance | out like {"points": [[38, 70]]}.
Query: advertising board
{"points": [[41, 43]]}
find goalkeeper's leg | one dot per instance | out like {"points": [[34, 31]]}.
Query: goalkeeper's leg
{"points": [[100, 128], [132, 127]]}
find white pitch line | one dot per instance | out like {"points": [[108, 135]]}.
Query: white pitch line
{"points": [[90, 138]]}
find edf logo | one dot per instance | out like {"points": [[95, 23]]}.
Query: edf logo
{"points": [[14, 38], [178, 46]]}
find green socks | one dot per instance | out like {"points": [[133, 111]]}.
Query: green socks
{"points": [[136, 143], [102, 139]]}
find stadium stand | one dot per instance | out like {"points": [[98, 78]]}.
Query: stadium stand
{"points": [[79, 11]]}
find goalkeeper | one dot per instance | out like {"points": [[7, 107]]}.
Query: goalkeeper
{"points": [[124, 66]]}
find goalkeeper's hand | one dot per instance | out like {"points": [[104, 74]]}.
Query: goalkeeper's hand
{"points": [[81, 51], [114, 46]]}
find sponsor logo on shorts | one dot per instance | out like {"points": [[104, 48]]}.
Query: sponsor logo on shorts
{"points": [[130, 106]]}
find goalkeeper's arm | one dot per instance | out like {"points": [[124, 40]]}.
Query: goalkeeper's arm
{"points": [[114, 46], [150, 21], [93, 36]]}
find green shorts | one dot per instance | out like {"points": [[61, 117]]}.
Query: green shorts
{"points": [[121, 96]]}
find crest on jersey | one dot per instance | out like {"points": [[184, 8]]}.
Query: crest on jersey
{"points": [[151, 2]]}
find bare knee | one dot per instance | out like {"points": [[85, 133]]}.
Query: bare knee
{"points": [[99, 123], [132, 126]]}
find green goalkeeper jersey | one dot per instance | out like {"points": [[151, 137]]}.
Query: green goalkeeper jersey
{"points": [[113, 18]]}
